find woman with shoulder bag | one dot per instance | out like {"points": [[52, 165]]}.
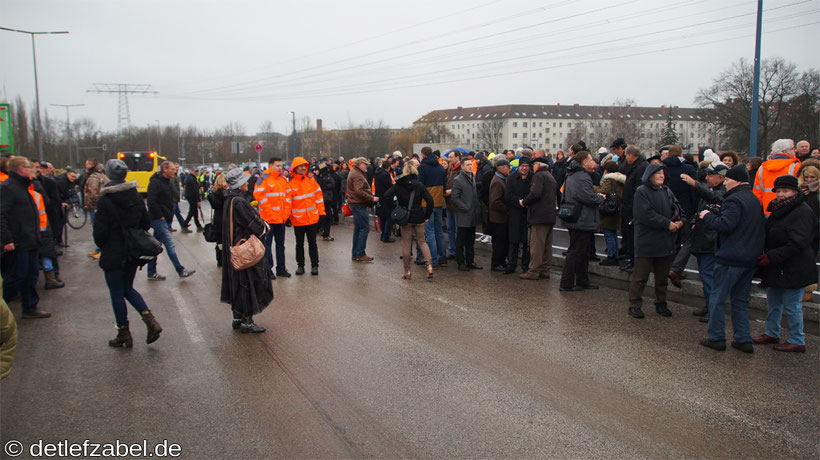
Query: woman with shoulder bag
{"points": [[410, 192], [217, 199], [120, 207], [250, 290]]}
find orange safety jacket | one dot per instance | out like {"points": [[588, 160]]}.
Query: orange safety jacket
{"points": [[41, 208], [3, 176], [271, 195], [780, 165], [373, 183], [306, 199]]}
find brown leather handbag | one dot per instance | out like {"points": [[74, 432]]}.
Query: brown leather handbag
{"points": [[246, 252]]}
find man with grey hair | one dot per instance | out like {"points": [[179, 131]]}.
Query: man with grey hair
{"points": [[161, 210], [803, 150], [782, 161]]}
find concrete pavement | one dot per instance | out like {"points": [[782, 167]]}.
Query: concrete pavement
{"points": [[359, 363]]}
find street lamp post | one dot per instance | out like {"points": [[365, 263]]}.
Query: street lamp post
{"points": [[68, 127], [294, 133], [159, 139], [36, 86]]}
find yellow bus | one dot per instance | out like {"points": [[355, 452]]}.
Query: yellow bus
{"points": [[141, 166]]}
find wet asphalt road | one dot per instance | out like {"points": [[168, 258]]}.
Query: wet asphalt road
{"points": [[360, 363]]}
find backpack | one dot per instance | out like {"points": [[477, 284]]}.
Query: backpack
{"points": [[611, 205], [140, 246]]}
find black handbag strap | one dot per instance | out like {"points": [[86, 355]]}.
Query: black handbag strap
{"points": [[410, 204]]}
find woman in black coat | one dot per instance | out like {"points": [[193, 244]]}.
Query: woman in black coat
{"points": [[248, 291], [402, 190], [217, 199], [787, 266], [121, 207]]}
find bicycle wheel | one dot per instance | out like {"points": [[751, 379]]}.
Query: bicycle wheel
{"points": [[76, 217]]}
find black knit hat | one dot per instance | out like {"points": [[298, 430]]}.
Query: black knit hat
{"points": [[738, 173], [786, 181]]}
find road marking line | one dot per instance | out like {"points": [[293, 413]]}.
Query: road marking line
{"points": [[187, 317]]}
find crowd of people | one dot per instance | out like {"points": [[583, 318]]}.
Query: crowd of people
{"points": [[741, 220]]}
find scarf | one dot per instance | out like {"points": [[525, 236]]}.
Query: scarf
{"points": [[812, 186], [780, 203]]}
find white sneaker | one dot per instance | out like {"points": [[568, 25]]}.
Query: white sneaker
{"points": [[488, 239]]}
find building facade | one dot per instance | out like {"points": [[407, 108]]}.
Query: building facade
{"points": [[555, 127]]}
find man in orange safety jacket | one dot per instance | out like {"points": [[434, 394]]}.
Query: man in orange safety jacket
{"points": [[781, 162], [307, 204], [271, 195]]}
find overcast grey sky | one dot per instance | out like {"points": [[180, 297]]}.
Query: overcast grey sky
{"points": [[214, 62]]}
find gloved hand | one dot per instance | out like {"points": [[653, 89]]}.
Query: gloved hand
{"points": [[763, 261], [287, 222]]}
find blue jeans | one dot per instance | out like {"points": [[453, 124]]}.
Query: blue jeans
{"points": [[121, 287], [706, 267], [91, 215], [178, 213], [734, 284], [276, 233], [452, 232], [21, 277], [790, 300], [611, 238], [162, 233], [387, 227], [434, 234], [361, 227]]}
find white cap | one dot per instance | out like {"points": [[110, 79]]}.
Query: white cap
{"points": [[602, 150]]}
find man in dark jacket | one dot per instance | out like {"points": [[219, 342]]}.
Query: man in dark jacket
{"points": [[161, 209], [328, 186], [518, 187], [175, 191], [702, 241], [499, 214], [337, 194], [633, 167], [192, 197], [540, 204], [676, 170], [433, 176], [656, 225], [382, 181], [579, 191], [66, 183], [741, 234], [20, 237], [468, 213]]}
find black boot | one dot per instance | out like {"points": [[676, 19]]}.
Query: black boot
{"points": [[300, 270], [123, 338], [153, 326], [249, 327], [314, 270]]}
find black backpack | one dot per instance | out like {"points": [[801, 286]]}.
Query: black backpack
{"points": [[140, 246]]}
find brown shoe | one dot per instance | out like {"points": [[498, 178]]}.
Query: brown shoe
{"points": [[363, 259], [529, 276], [37, 314], [152, 325], [765, 339], [790, 347]]}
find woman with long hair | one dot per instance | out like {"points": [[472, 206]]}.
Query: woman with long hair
{"points": [[405, 188], [217, 199]]}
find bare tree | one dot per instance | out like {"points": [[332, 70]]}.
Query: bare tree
{"points": [[434, 130], [489, 133]]}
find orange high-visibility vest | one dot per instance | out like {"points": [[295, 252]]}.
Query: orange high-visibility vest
{"points": [[3, 176], [373, 183], [41, 207], [768, 172], [306, 198], [271, 195]]}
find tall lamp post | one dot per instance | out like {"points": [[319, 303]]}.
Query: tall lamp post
{"points": [[36, 87], [68, 127], [159, 140], [293, 114], [756, 91]]}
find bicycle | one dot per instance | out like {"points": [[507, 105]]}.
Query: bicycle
{"points": [[76, 215]]}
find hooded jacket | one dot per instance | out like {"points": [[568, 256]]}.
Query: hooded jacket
{"points": [[612, 183], [578, 190], [422, 207], [306, 199], [541, 200], [119, 207], [740, 226], [634, 175], [433, 176], [789, 233], [654, 208], [93, 187], [271, 195]]}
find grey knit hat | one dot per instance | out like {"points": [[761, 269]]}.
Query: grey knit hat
{"points": [[116, 170], [236, 177]]}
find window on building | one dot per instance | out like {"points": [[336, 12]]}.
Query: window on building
{"points": [[553, 146], [569, 125], [515, 124], [515, 146], [515, 135], [468, 130], [553, 124], [548, 130], [525, 124], [561, 124], [540, 135], [523, 135], [541, 124]]}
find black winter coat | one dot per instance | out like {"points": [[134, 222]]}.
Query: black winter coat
{"points": [[160, 198], [64, 187], [328, 186], [48, 245], [119, 206], [19, 217], [634, 179], [788, 235], [486, 175], [541, 200], [559, 172], [578, 189], [382, 182], [402, 190], [191, 188], [740, 226], [217, 200], [517, 189], [248, 291], [337, 189], [653, 210], [687, 198]]}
